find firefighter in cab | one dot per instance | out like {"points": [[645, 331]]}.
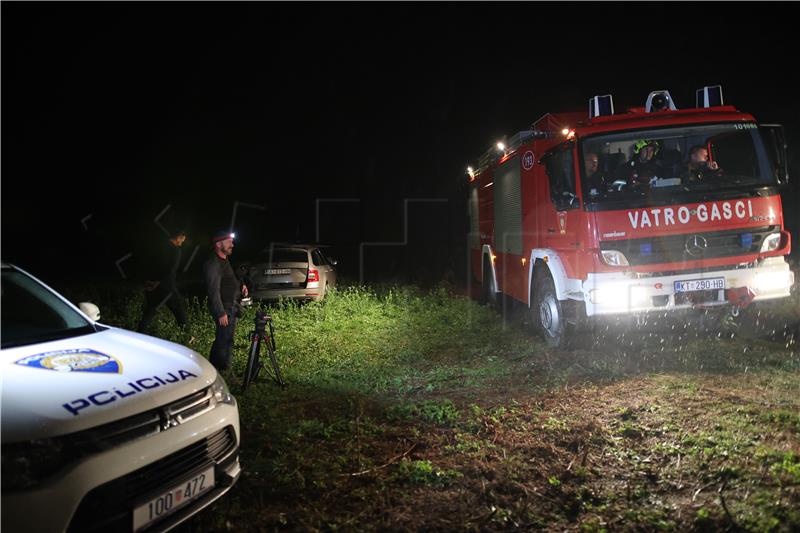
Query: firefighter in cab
{"points": [[595, 177], [700, 168], [643, 167]]}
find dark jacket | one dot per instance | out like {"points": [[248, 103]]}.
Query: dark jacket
{"points": [[164, 267], [702, 172], [637, 171], [224, 290]]}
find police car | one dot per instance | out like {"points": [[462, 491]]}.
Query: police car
{"points": [[104, 429]]}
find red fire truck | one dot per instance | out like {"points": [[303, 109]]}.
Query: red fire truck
{"points": [[652, 210]]}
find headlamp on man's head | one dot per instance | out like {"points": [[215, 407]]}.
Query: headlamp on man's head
{"points": [[222, 235]]}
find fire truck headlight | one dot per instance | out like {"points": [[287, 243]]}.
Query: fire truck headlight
{"points": [[614, 258], [773, 281], [771, 242]]}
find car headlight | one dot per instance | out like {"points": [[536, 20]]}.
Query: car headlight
{"points": [[219, 389], [614, 258], [771, 242], [27, 464]]}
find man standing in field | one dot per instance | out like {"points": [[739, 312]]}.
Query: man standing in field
{"points": [[162, 287], [224, 294]]}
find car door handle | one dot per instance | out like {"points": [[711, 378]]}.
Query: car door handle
{"points": [[551, 230]]}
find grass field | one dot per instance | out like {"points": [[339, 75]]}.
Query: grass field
{"points": [[408, 410]]}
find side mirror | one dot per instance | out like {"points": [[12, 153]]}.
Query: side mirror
{"points": [[91, 310], [777, 149], [571, 199]]}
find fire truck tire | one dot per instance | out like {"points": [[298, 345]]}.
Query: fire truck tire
{"points": [[548, 313]]}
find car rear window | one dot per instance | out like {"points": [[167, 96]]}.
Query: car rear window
{"points": [[318, 258], [285, 256]]}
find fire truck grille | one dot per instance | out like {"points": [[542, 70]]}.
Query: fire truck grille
{"points": [[691, 246]]}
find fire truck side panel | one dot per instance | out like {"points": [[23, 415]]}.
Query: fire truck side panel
{"points": [[486, 215], [474, 236], [532, 190], [509, 277], [507, 207], [508, 234], [530, 197]]}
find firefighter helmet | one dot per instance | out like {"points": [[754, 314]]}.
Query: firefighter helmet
{"points": [[638, 145]]}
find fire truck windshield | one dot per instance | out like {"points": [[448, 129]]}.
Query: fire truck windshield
{"points": [[658, 166]]}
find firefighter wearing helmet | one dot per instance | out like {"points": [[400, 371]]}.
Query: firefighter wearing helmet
{"points": [[643, 167]]}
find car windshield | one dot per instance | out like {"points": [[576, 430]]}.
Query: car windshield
{"points": [[659, 165], [284, 255], [32, 314]]}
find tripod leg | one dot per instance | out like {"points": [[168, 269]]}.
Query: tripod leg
{"points": [[259, 364], [274, 362], [251, 369], [272, 336]]}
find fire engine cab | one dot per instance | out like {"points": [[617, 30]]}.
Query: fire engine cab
{"points": [[655, 209]]}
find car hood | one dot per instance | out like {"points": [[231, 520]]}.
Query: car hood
{"points": [[68, 385]]}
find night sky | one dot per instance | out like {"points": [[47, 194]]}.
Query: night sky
{"points": [[120, 110]]}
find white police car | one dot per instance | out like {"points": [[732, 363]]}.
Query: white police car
{"points": [[104, 429]]}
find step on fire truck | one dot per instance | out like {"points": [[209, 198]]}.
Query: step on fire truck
{"points": [[657, 209]]}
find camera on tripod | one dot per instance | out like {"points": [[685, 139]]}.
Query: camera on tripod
{"points": [[261, 321], [266, 336]]}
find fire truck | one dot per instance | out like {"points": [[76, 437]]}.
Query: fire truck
{"points": [[652, 210]]}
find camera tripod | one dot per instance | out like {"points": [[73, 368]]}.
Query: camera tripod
{"points": [[254, 364]]}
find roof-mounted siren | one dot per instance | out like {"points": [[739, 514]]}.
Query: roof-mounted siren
{"points": [[709, 96], [659, 101], [600, 106]]}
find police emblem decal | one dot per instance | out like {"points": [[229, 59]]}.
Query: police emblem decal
{"points": [[74, 360]]}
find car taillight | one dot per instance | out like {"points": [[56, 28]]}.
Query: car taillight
{"points": [[313, 274]]}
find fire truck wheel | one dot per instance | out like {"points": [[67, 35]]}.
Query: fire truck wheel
{"points": [[548, 312]]}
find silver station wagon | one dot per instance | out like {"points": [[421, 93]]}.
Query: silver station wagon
{"points": [[297, 271]]}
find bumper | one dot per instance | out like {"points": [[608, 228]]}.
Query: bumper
{"points": [[608, 294], [309, 293], [96, 493]]}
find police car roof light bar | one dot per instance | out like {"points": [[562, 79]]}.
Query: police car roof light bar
{"points": [[709, 96]]}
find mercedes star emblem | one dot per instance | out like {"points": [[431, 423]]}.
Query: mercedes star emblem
{"points": [[696, 245]]}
